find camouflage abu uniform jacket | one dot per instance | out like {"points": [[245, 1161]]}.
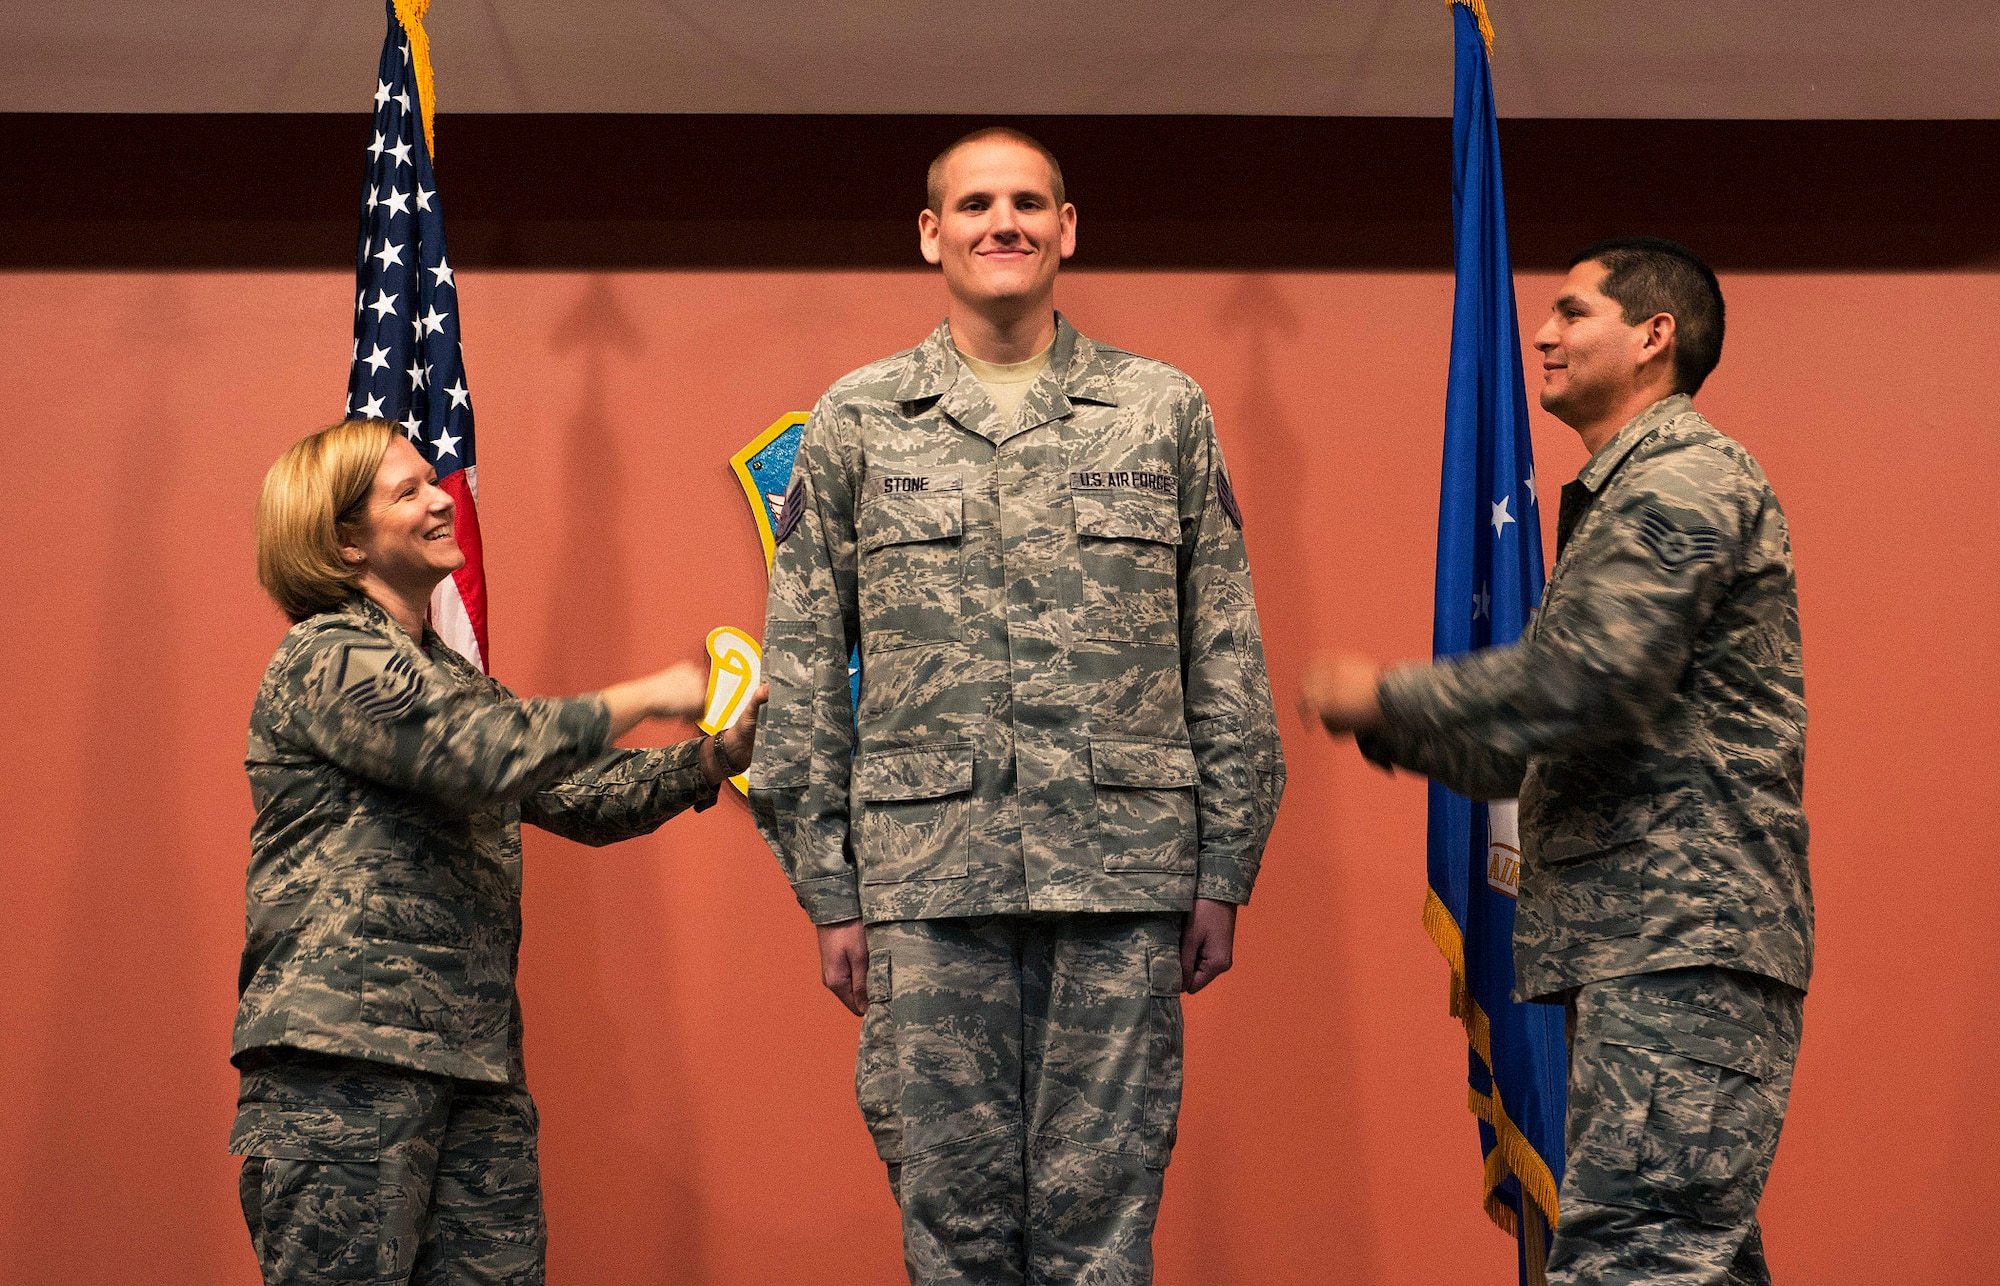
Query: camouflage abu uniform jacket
{"points": [[1652, 720], [384, 891], [1064, 705]]}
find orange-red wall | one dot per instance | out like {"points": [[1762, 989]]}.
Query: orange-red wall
{"points": [[695, 1081]]}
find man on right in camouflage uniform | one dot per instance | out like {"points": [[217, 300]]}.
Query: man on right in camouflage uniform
{"points": [[1652, 722]]}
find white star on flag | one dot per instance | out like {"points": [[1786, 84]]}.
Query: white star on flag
{"points": [[445, 444], [401, 152], [434, 321], [378, 146], [459, 395], [443, 274], [384, 305], [1482, 602], [372, 408], [377, 359], [1500, 515], [1529, 483], [424, 196], [398, 202], [381, 92], [389, 253], [411, 424], [418, 374]]}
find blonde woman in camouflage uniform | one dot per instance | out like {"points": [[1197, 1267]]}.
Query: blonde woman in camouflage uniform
{"points": [[1035, 831], [384, 1119], [1652, 721]]}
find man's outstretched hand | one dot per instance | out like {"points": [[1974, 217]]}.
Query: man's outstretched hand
{"points": [[1208, 943], [1338, 691], [843, 963]]}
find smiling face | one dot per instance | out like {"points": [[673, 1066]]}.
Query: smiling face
{"points": [[404, 541], [998, 233], [1595, 364]]}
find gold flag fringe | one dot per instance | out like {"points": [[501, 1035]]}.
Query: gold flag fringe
{"points": [[1478, 8], [1512, 1154], [411, 14]]}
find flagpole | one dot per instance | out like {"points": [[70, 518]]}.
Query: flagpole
{"points": [[1534, 1243]]}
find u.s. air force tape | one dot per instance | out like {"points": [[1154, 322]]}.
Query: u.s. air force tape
{"points": [[1122, 480], [1676, 547], [378, 680]]}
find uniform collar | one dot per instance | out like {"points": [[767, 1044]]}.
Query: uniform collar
{"points": [[1077, 372], [376, 618], [1602, 465]]}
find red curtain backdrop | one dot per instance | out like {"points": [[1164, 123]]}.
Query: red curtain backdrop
{"points": [[695, 1081]]}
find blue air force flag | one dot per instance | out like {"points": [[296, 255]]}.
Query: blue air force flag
{"points": [[1489, 577]]}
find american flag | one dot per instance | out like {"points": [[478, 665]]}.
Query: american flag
{"points": [[408, 367]]}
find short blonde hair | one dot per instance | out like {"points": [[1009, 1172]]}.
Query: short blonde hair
{"points": [[321, 481], [934, 178]]}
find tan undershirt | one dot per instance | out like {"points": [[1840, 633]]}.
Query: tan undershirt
{"points": [[1007, 385]]}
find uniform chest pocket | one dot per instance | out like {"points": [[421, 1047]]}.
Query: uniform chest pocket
{"points": [[911, 550], [1127, 549]]}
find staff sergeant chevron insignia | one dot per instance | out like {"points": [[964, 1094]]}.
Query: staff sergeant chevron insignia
{"points": [[1674, 546], [379, 680]]}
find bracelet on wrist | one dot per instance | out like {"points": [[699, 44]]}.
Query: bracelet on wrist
{"points": [[722, 764]]}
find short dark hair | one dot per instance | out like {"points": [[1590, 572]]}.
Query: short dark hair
{"points": [[1650, 275], [934, 180]]}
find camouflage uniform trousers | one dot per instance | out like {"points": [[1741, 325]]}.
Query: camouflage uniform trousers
{"points": [[1677, 1089], [1021, 1075], [363, 1172]]}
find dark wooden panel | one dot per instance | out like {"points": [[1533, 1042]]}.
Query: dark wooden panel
{"points": [[552, 191]]}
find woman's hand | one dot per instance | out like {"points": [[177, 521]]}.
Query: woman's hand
{"points": [[677, 692], [727, 754], [739, 739]]}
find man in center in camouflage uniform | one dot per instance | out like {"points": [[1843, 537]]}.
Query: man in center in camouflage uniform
{"points": [[1035, 830], [1652, 721]]}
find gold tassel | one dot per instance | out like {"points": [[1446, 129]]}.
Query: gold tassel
{"points": [[1478, 8], [411, 14], [1513, 1154]]}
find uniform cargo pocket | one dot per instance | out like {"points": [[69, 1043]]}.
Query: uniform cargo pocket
{"points": [[1164, 1041], [912, 569], [878, 1078], [1702, 1139], [1127, 551], [915, 813], [1145, 804], [311, 1187]]}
